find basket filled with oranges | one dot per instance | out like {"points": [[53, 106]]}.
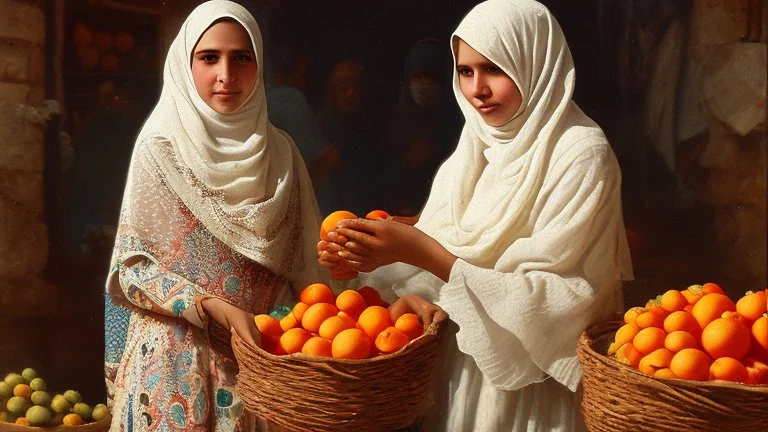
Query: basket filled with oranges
{"points": [[689, 360], [337, 363]]}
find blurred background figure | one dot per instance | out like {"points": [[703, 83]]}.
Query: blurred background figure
{"points": [[424, 127], [290, 110], [356, 183]]}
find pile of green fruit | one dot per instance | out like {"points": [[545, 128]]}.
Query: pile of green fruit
{"points": [[24, 400]]}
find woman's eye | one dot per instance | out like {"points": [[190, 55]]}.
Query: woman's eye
{"points": [[464, 71], [208, 58], [493, 69], [244, 58]]}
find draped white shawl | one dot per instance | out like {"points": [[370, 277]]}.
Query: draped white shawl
{"points": [[240, 176], [532, 208]]}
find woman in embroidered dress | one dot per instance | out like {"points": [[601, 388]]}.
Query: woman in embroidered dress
{"points": [[521, 240], [217, 224]]}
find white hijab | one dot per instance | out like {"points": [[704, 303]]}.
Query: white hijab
{"points": [[239, 175], [536, 200]]}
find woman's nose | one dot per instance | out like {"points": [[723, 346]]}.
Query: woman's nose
{"points": [[224, 74], [480, 88]]}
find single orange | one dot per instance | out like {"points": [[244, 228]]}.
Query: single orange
{"points": [[317, 293], [351, 344], [752, 306], [316, 314], [410, 324], [333, 326], [658, 359], [299, 309], [351, 302], [72, 419], [22, 421], [682, 320], [371, 296], [330, 221], [757, 371], [347, 317], [288, 322], [664, 373], [693, 293], [626, 333], [317, 346], [268, 326], [759, 332], [728, 369], [649, 339], [294, 339], [373, 320], [679, 340], [390, 340], [631, 314], [673, 300], [377, 215], [710, 287], [272, 345], [725, 337], [691, 364], [23, 390], [628, 354], [710, 307], [651, 318]]}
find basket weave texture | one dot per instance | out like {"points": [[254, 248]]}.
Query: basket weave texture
{"points": [[618, 397], [303, 393], [98, 426]]}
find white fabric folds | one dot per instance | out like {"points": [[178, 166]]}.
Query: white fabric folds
{"points": [[533, 210]]}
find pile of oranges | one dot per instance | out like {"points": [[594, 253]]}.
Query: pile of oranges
{"points": [[343, 272], [353, 325], [697, 333]]}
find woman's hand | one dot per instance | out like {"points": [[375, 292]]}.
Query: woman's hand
{"points": [[232, 317], [328, 254], [371, 244], [428, 312]]}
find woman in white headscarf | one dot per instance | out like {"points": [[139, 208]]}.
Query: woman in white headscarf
{"points": [[521, 240], [217, 224]]}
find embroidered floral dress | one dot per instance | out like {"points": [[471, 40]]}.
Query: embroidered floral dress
{"points": [[169, 368]]}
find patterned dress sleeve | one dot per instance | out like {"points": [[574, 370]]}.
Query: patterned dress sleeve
{"points": [[148, 285]]}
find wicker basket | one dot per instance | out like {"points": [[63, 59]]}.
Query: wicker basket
{"points": [[98, 426], [619, 398], [303, 393]]}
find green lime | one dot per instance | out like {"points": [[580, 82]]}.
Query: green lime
{"points": [[60, 404], [38, 416], [29, 374], [17, 405], [41, 397], [38, 384], [100, 412], [73, 396], [83, 410]]}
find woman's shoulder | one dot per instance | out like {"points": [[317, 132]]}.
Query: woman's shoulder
{"points": [[581, 139]]}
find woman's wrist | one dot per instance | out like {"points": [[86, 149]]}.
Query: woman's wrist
{"points": [[437, 260]]}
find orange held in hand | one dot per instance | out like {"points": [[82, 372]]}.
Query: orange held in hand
{"points": [[330, 221], [377, 215]]}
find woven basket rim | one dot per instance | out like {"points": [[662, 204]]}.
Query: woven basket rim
{"points": [[430, 332], [600, 329]]}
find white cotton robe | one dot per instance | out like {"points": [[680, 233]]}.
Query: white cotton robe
{"points": [[532, 208]]}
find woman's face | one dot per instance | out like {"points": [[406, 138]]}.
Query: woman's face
{"points": [[224, 66], [487, 88]]}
